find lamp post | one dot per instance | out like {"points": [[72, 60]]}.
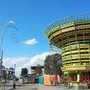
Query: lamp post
{"points": [[1, 41], [14, 70]]}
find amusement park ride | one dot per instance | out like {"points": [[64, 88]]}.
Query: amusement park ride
{"points": [[72, 35]]}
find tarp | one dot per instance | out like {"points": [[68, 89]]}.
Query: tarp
{"points": [[41, 80], [47, 80]]}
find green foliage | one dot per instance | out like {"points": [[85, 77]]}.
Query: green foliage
{"points": [[52, 64], [24, 71], [38, 70], [1, 84], [5, 74]]}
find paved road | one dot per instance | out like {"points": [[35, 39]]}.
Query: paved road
{"points": [[37, 87], [34, 87]]}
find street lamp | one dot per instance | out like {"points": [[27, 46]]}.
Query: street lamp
{"points": [[3, 30], [9, 23]]}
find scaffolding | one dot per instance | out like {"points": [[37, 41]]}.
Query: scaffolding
{"points": [[72, 35]]}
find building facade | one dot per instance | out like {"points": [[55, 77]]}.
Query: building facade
{"points": [[72, 35]]}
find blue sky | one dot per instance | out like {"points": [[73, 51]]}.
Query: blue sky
{"points": [[31, 17]]}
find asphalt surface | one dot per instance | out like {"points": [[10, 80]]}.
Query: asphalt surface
{"points": [[33, 87], [37, 87]]}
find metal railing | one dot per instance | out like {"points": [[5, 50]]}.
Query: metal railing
{"points": [[85, 16]]}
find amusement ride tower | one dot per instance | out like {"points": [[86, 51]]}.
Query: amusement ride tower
{"points": [[72, 35]]}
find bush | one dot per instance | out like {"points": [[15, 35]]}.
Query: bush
{"points": [[1, 84]]}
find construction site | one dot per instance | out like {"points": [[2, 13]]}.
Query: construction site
{"points": [[72, 35]]}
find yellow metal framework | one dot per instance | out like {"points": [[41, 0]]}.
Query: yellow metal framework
{"points": [[72, 35]]}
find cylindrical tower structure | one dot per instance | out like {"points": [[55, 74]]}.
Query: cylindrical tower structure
{"points": [[72, 35]]}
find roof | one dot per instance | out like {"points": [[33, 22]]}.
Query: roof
{"points": [[34, 67]]}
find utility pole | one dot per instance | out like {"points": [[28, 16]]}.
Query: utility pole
{"points": [[1, 64], [1, 41], [14, 70]]}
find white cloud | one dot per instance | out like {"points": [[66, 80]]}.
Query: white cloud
{"points": [[39, 59], [15, 60], [25, 62], [19, 61], [30, 42]]}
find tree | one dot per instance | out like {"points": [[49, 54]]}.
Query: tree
{"points": [[4, 74], [38, 69], [24, 71], [52, 64]]}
